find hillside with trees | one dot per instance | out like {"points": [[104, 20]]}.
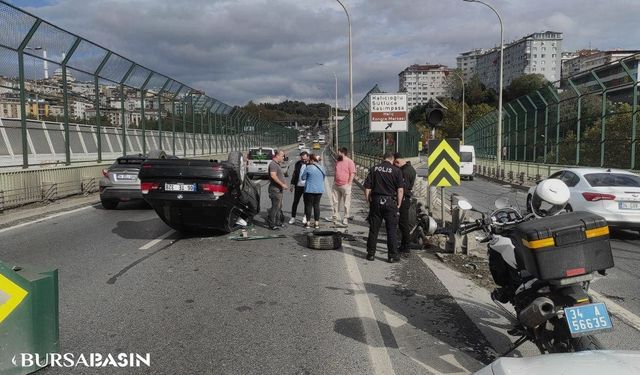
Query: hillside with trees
{"points": [[291, 110]]}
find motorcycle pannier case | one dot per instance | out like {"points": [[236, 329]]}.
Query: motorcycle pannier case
{"points": [[564, 245]]}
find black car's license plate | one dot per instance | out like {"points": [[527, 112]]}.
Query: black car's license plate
{"points": [[179, 187]]}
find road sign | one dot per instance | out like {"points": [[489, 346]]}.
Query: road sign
{"points": [[444, 162], [388, 112], [11, 295]]}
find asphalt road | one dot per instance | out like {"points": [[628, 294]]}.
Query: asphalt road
{"points": [[622, 284], [212, 305]]}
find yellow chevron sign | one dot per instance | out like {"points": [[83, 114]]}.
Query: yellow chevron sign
{"points": [[11, 295], [444, 162]]}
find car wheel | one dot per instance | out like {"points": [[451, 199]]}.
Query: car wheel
{"points": [[237, 159], [324, 240], [568, 208], [470, 178], [109, 204]]}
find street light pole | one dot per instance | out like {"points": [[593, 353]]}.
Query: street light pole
{"points": [[463, 107], [335, 119], [350, 82], [499, 130]]}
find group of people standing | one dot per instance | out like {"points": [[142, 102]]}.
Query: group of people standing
{"points": [[307, 182], [388, 190]]}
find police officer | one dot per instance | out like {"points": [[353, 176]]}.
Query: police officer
{"points": [[384, 190], [409, 174]]}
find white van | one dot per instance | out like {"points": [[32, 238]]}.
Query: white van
{"points": [[467, 161]]}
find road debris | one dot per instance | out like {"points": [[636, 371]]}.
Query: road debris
{"points": [[252, 237]]}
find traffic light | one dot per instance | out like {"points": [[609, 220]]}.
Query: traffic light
{"points": [[434, 117]]}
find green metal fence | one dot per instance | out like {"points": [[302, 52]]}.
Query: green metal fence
{"points": [[50, 75], [371, 144], [588, 119]]}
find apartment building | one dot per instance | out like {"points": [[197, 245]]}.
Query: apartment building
{"points": [[537, 53], [423, 82], [466, 62]]}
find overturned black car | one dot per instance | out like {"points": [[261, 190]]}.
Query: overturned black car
{"points": [[193, 195]]}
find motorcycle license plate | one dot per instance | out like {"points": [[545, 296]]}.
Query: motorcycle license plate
{"points": [[180, 187], [586, 319]]}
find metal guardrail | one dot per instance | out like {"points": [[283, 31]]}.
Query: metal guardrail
{"points": [[519, 173], [47, 73]]}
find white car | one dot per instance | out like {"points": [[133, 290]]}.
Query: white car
{"points": [[300, 146], [258, 160], [611, 193]]}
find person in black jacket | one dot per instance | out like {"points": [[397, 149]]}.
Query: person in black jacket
{"points": [[383, 189], [409, 175], [297, 186]]}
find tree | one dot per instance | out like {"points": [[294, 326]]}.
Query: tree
{"points": [[452, 127], [475, 91], [523, 85]]}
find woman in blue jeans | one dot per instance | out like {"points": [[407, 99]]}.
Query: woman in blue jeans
{"points": [[313, 176]]}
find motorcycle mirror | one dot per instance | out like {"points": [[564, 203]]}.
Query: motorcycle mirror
{"points": [[501, 203], [464, 205]]}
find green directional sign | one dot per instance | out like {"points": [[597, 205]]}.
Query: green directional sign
{"points": [[444, 162]]}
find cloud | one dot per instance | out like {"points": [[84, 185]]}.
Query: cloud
{"points": [[257, 50]]}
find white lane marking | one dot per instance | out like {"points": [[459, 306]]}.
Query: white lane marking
{"points": [[152, 243], [623, 314], [44, 219], [378, 354]]}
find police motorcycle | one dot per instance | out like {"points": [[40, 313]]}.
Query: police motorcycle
{"points": [[543, 263]]}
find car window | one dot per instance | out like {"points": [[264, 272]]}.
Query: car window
{"points": [[612, 179], [260, 154], [466, 157], [570, 178]]}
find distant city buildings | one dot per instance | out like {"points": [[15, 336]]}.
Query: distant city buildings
{"points": [[587, 59], [45, 101], [423, 82], [537, 53]]}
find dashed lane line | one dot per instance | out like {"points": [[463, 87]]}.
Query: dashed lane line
{"points": [[378, 354], [152, 243]]}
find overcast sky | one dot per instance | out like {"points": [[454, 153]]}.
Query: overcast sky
{"points": [[267, 50]]}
